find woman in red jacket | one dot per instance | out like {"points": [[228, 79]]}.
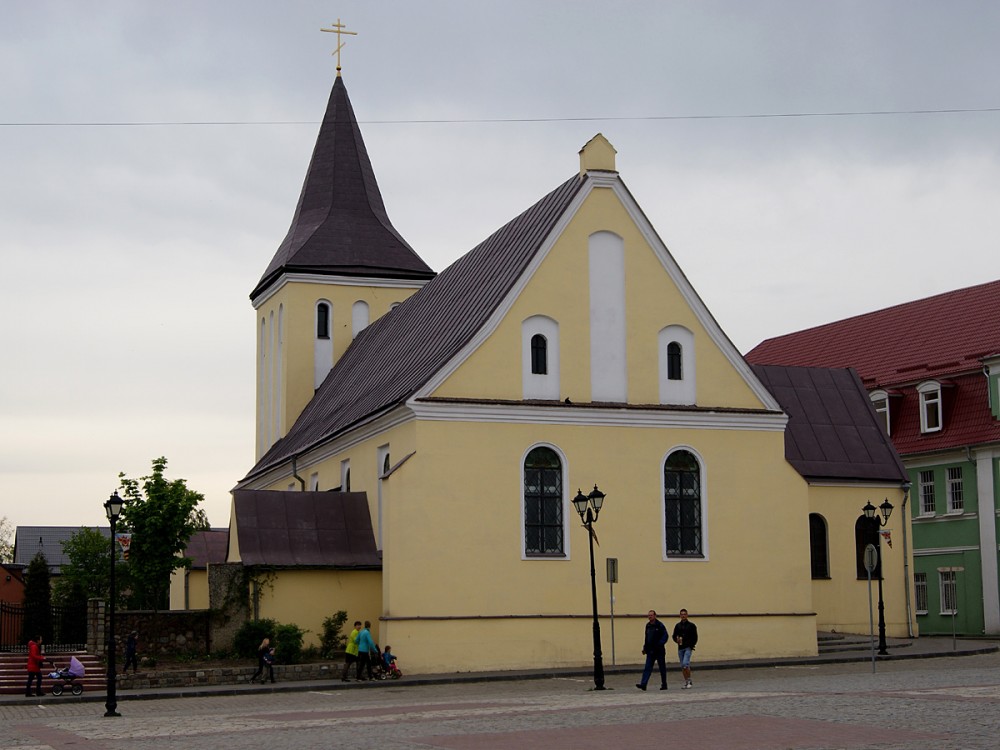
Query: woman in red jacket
{"points": [[35, 660]]}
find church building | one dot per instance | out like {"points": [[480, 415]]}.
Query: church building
{"points": [[421, 438]]}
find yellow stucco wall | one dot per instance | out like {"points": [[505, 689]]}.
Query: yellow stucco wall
{"points": [[842, 601], [560, 290], [307, 597], [189, 589], [297, 302]]}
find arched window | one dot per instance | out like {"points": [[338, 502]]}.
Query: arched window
{"points": [[543, 503], [865, 533], [386, 465], [539, 355], [359, 317], [540, 358], [682, 504], [322, 320], [819, 546], [674, 361], [676, 365]]}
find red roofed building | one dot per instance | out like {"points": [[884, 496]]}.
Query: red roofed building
{"points": [[931, 369]]}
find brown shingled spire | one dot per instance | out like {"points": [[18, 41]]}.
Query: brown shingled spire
{"points": [[340, 226]]}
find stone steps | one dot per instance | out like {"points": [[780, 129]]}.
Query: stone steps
{"points": [[13, 674]]}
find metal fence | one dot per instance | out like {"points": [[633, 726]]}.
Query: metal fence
{"points": [[65, 629]]}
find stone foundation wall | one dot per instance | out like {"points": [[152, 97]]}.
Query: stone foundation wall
{"points": [[229, 675]]}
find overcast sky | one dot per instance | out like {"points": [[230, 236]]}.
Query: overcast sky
{"points": [[129, 250]]}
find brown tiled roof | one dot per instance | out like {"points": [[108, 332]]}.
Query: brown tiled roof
{"points": [[833, 431], [305, 529], [392, 358], [340, 225], [206, 547], [929, 338]]}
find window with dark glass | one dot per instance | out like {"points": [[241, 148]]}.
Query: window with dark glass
{"points": [[385, 465], [865, 533], [818, 550], [674, 361], [682, 499], [539, 355], [322, 321], [543, 503]]}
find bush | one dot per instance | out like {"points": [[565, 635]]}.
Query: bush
{"points": [[248, 638], [288, 644], [332, 641]]}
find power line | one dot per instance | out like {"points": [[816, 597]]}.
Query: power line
{"points": [[648, 118]]}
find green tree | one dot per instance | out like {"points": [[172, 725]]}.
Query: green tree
{"points": [[6, 540], [37, 600], [87, 574], [161, 515]]}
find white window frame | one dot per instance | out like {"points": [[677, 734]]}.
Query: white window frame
{"points": [[926, 480], [956, 490], [880, 400], [920, 592], [540, 385], [314, 482], [930, 404], [322, 347], [345, 475], [948, 580], [683, 391]]}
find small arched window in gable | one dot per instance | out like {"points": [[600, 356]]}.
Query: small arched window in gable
{"points": [[539, 355], [674, 361], [322, 320]]}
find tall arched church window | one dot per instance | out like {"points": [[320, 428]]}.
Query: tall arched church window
{"points": [[539, 355], [543, 503], [323, 343], [819, 546], [682, 503], [677, 372], [865, 533]]}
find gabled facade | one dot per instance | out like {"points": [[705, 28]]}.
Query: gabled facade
{"points": [[566, 350], [931, 368]]}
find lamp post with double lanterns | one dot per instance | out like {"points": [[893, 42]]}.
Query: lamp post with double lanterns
{"points": [[589, 507], [876, 522], [113, 509]]}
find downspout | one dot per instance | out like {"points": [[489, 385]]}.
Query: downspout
{"points": [[906, 564], [295, 473]]}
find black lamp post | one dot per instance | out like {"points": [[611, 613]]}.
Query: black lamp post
{"points": [[875, 523], [113, 508], [589, 506]]}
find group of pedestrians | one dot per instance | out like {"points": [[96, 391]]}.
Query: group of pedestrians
{"points": [[361, 652], [654, 648]]}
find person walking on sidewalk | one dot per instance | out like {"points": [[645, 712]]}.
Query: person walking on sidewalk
{"points": [[351, 652], [36, 658], [366, 649], [686, 637], [655, 650]]}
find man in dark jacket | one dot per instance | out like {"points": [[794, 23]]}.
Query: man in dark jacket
{"points": [[655, 649], [686, 638]]}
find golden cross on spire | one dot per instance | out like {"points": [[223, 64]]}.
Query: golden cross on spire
{"points": [[338, 29]]}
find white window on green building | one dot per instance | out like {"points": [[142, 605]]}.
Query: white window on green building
{"points": [[920, 592], [956, 503], [949, 592], [926, 493]]}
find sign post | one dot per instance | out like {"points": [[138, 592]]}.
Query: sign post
{"points": [[612, 563], [871, 562]]}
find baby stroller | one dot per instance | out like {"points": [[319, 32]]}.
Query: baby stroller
{"points": [[67, 677]]}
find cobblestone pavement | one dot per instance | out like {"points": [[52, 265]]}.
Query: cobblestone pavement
{"points": [[944, 704]]}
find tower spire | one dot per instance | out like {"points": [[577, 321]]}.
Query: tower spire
{"points": [[339, 29]]}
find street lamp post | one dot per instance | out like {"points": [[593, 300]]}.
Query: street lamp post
{"points": [[113, 508], [589, 507], [875, 523]]}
